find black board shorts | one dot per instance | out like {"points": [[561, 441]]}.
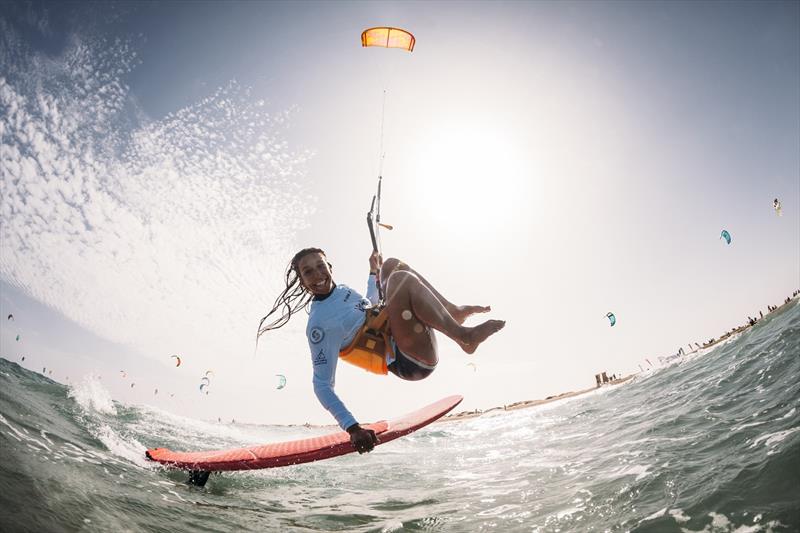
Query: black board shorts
{"points": [[408, 368]]}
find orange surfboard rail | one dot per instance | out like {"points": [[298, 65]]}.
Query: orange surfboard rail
{"points": [[299, 451]]}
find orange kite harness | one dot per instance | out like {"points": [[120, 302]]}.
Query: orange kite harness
{"points": [[372, 344]]}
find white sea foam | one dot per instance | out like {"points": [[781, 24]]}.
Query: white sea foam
{"points": [[127, 448], [657, 514], [164, 426], [748, 425], [639, 471], [17, 434], [90, 394], [772, 439], [392, 525], [721, 524], [25, 436]]}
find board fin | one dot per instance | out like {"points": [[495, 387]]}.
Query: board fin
{"points": [[198, 478]]}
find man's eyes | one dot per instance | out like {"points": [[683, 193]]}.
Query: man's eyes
{"points": [[310, 270]]}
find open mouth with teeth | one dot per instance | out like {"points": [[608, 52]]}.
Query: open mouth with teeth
{"points": [[321, 285]]}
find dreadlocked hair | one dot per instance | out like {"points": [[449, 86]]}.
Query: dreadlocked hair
{"points": [[293, 298]]}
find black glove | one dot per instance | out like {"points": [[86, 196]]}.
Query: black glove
{"points": [[363, 440]]}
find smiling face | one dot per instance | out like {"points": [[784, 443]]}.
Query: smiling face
{"points": [[315, 273]]}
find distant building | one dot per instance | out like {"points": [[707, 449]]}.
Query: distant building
{"points": [[601, 378]]}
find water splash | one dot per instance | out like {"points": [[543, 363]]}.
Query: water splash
{"points": [[92, 397], [172, 213]]}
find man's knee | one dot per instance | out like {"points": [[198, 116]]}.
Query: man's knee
{"points": [[390, 266], [397, 280]]}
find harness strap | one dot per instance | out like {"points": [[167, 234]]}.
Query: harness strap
{"points": [[371, 344], [378, 321]]}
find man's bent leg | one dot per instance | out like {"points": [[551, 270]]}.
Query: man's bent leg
{"points": [[459, 312], [412, 306]]}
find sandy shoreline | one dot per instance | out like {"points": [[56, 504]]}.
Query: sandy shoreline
{"points": [[463, 415]]}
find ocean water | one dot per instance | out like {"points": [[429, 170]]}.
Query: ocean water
{"points": [[709, 443]]}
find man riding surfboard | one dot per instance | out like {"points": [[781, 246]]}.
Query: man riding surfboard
{"points": [[396, 338]]}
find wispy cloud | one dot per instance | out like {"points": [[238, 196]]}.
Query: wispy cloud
{"points": [[152, 233]]}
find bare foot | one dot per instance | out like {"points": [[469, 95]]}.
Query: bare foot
{"points": [[462, 312], [475, 336]]}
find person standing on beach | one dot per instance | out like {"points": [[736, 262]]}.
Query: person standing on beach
{"points": [[413, 310]]}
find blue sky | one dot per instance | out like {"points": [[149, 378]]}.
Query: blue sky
{"points": [[162, 162]]}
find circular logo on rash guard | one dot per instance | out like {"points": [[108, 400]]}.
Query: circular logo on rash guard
{"points": [[316, 335]]}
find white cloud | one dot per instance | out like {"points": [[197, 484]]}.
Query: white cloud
{"points": [[156, 235]]}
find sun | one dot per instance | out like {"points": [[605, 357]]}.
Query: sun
{"points": [[470, 175]]}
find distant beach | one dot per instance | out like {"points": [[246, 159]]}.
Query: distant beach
{"points": [[530, 403], [751, 321]]}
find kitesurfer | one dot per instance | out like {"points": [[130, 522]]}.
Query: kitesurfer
{"points": [[338, 313]]}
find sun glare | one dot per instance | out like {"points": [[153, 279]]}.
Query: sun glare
{"points": [[470, 175]]}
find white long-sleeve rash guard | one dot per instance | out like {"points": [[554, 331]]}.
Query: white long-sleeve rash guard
{"points": [[333, 322]]}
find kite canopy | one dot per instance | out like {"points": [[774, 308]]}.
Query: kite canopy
{"points": [[611, 318], [725, 235], [775, 205], [388, 38], [281, 381], [178, 360]]}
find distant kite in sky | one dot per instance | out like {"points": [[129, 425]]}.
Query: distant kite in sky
{"points": [[725, 235], [178, 360], [388, 38], [281, 381], [11, 317], [17, 338], [124, 374], [776, 205], [205, 381], [611, 318], [133, 384], [473, 365]]}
